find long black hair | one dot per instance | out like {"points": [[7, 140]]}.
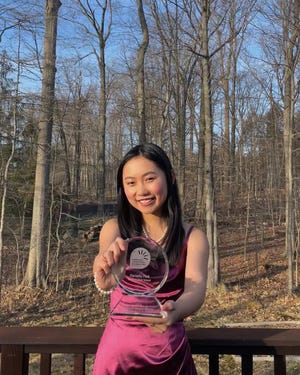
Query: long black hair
{"points": [[130, 219]]}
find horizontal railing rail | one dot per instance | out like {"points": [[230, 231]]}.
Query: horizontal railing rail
{"points": [[17, 343]]}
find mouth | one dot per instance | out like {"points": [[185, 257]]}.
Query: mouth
{"points": [[146, 201]]}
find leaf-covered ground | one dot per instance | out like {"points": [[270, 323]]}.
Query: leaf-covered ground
{"points": [[252, 292]]}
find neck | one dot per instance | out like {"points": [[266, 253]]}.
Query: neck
{"points": [[148, 233]]}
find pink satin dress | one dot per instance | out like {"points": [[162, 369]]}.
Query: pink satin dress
{"points": [[128, 347]]}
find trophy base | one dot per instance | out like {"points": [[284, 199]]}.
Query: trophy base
{"points": [[137, 306]]}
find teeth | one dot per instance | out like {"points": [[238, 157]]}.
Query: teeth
{"points": [[146, 200]]}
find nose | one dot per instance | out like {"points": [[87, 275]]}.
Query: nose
{"points": [[142, 189]]}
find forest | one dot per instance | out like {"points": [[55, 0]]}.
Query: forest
{"points": [[214, 82]]}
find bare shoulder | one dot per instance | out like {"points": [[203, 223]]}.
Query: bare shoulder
{"points": [[197, 256], [197, 237], [110, 224]]}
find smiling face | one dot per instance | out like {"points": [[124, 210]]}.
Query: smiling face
{"points": [[145, 185]]}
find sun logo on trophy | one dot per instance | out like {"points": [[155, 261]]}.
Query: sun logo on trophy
{"points": [[140, 258]]}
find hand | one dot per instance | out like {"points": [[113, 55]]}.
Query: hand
{"points": [[114, 256]]}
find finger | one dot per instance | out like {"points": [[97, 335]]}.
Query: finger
{"points": [[106, 269], [168, 306], [118, 247], [123, 244], [117, 255], [106, 258], [158, 328], [105, 263]]}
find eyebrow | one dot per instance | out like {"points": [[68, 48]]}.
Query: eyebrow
{"points": [[144, 175]]}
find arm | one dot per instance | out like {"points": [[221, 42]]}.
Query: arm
{"points": [[195, 278], [195, 285], [111, 249]]}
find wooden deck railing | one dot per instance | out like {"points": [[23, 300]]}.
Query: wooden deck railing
{"points": [[16, 343]]}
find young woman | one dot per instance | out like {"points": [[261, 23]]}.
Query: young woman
{"points": [[149, 206]]}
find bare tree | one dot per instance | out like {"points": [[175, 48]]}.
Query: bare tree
{"points": [[35, 272], [69, 115], [141, 104], [208, 157], [239, 16], [4, 183], [280, 46], [179, 64], [291, 38], [101, 27]]}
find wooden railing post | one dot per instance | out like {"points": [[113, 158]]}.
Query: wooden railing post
{"points": [[79, 364], [214, 364], [247, 364], [279, 365], [14, 360], [45, 364]]}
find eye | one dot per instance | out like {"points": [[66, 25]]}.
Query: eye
{"points": [[129, 183], [150, 178]]}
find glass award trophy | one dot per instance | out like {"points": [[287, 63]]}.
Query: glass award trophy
{"points": [[140, 276]]}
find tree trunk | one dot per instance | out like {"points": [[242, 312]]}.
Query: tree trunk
{"points": [[141, 101], [35, 272], [102, 129], [208, 166], [289, 215], [291, 33], [200, 206]]}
